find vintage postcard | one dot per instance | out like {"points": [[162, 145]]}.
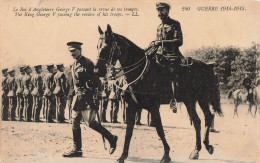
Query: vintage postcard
{"points": [[130, 81]]}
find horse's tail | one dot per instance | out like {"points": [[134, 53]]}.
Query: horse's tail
{"points": [[230, 92], [215, 94]]}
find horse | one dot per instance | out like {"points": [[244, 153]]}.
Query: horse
{"points": [[241, 96], [146, 80]]}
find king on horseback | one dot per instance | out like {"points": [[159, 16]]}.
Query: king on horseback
{"points": [[168, 40]]}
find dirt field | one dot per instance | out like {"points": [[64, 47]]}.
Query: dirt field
{"points": [[237, 140]]}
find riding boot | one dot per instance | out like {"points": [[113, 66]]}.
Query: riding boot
{"points": [[173, 103], [104, 132], [76, 151]]}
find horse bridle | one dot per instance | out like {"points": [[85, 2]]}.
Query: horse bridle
{"points": [[109, 63]]}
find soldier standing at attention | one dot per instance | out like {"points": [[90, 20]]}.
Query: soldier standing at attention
{"points": [[83, 104], [37, 93], [48, 93], [43, 98], [168, 39], [4, 111], [104, 95], [11, 94], [19, 93], [60, 92], [70, 93], [114, 98], [27, 85]]}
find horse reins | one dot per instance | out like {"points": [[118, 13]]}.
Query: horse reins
{"points": [[135, 65]]}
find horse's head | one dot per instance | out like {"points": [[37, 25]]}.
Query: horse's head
{"points": [[108, 52]]}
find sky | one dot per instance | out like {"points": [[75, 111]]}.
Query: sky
{"points": [[41, 40]]}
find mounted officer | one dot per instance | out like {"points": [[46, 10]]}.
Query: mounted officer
{"points": [[247, 84], [60, 92], [4, 111], [168, 39], [37, 92], [11, 94], [83, 102]]}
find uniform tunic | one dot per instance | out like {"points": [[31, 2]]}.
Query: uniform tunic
{"points": [[11, 86], [27, 85], [83, 75], [170, 55], [37, 93], [60, 94], [4, 99], [48, 85], [170, 30], [19, 94]]}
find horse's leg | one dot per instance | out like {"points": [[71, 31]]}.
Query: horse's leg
{"points": [[235, 108], [130, 120], [155, 115], [250, 108], [236, 102], [208, 121], [191, 107]]}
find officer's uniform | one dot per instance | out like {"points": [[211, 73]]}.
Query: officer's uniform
{"points": [[247, 83], [82, 105], [37, 93], [60, 93], [105, 94], [70, 92], [168, 53], [11, 94], [4, 113], [169, 29], [19, 93], [122, 82], [43, 108], [114, 98], [28, 100], [48, 83]]}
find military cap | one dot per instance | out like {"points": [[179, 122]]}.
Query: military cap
{"points": [[4, 69], [26, 67], [74, 45], [11, 70], [163, 5], [59, 65], [21, 68], [50, 65], [37, 66]]}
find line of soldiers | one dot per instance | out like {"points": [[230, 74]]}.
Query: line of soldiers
{"points": [[112, 92], [27, 94]]}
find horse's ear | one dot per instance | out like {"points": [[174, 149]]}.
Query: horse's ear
{"points": [[100, 30], [109, 29]]}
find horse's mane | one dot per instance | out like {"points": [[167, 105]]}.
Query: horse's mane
{"points": [[129, 43]]}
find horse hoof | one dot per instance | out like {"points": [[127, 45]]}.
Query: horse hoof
{"points": [[210, 149], [120, 161], [194, 155], [166, 160]]}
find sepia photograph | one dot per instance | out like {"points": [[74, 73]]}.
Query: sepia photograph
{"points": [[127, 81]]}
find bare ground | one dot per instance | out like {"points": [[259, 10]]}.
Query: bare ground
{"points": [[237, 140]]}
